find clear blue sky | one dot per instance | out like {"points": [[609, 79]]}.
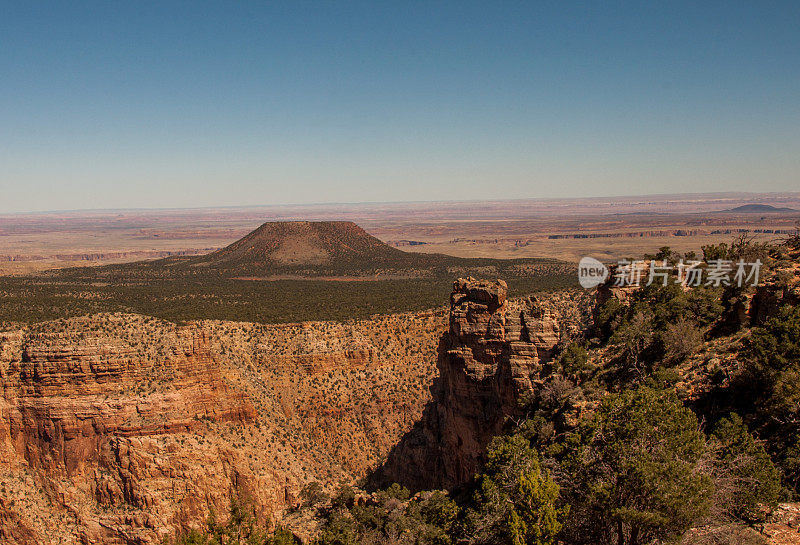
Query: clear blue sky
{"points": [[172, 104]]}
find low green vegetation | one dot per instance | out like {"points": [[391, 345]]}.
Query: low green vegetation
{"points": [[516, 500], [747, 482], [633, 472], [661, 327], [265, 301], [767, 390], [391, 516], [513, 501]]}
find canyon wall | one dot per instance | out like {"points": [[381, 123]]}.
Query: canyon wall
{"points": [[119, 428]]}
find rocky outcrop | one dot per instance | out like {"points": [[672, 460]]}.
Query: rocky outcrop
{"points": [[65, 395], [780, 287], [489, 361], [313, 363], [634, 276]]}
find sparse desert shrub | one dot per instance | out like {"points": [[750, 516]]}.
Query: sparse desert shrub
{"points": [[767, 391], [423, 520], [313, 493], [344, 498], [573, 361], [635, 336], [241, 528], [680, 340]]}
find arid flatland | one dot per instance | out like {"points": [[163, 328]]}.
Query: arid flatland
{"points": [[628, 226]]}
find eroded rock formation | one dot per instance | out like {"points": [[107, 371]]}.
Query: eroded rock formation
{"points": [[80, 415], [489, 361]]}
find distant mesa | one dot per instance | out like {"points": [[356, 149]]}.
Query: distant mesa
{"points": [[758, 209], [308, 247], [303, 243]]}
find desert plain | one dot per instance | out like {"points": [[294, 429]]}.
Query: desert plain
{"points": [[566, 229]]}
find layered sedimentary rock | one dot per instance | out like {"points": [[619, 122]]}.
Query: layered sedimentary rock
{"points": [[124, 429], [83, 417], [66, 393], [489, 361]]}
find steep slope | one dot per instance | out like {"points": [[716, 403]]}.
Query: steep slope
{"points": [[88, 415], [121, 429]]}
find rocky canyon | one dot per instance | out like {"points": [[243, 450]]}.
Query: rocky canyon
{"points": [[119, 428]]}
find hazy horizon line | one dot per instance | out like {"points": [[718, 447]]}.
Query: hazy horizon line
{"points": [[730, 194]]}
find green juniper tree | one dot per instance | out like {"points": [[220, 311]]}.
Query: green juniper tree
{"points": [[768, 389], [633, 471], [746, 481], [516, 500]]}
